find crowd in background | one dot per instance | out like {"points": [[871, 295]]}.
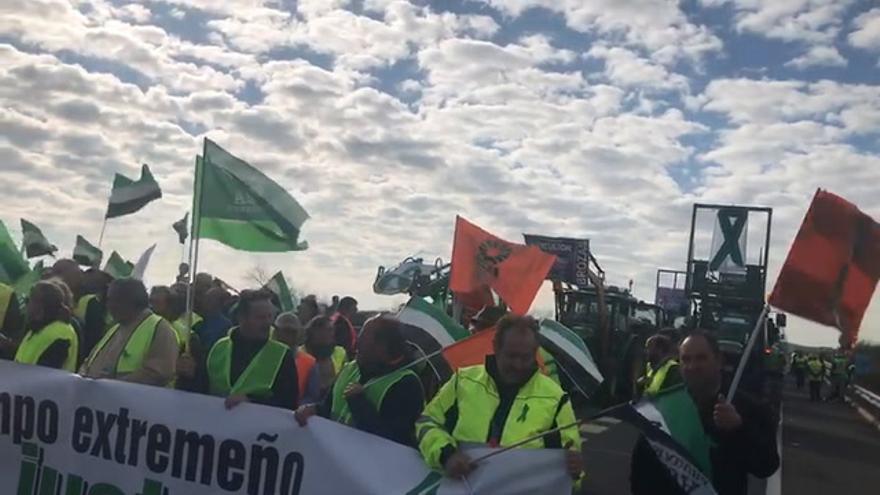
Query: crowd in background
{"points": [[315, 360]]}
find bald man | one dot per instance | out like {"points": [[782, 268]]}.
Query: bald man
{"points": [[289, 331]]}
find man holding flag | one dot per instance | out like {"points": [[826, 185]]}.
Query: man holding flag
{"points": [[500, 403], [731, 440]]}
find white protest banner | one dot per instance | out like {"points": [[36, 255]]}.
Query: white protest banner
{"points": [[62, 434]]}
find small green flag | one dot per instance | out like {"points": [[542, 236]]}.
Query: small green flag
{"points": [[12, 264], [85, 253], [129, 196], [117, 267], [34, 242], [278, 285], [239, 206], [180, 227]]}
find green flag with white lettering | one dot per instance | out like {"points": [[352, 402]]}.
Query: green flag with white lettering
{"points": [[239, 206]]}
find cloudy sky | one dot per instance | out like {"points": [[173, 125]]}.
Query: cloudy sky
{"points": [[604, 119]]}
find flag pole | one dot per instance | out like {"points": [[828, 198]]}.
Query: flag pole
{"points": [[193, 236], [101, 237], [737, 377], [603, 412]]}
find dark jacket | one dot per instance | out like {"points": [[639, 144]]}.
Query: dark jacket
{"points": [[285, 390], [92, 329], [750, 449], [396, 418], [346, 336]]}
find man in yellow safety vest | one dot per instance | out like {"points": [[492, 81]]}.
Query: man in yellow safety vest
{"points": [[502, 402], [248, 365], [51, 340], [377, 392], [141, 347], [662, 369]]}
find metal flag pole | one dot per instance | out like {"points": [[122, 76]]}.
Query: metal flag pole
{"points": [[737, 377], [603, 412], [101, 237], [194, 237]]}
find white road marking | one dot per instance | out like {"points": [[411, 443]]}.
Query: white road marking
{"points": [[592, 429]]}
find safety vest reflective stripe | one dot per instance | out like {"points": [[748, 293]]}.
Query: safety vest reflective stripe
{"points": [[35, 344], [338, 358], [375, 393], [5, 298], [82, 307], [257, 378], [658, 378], [136, 348], [304, 364]]}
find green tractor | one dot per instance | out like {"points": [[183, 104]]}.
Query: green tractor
{"points": [[614, 325]]}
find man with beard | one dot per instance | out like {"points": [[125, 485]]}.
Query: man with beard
{"points": [[321, 344], [377, 393], [50, 341], [742, 433]]}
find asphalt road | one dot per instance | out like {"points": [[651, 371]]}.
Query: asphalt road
{"points": [[827, 449]]}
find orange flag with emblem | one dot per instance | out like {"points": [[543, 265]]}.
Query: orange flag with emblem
{"points": [[514, 271]]}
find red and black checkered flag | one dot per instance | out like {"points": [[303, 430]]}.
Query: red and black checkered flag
{"points": [[832, 267]]}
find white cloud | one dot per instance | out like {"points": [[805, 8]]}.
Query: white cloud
{"points": [[867, 33], [810, 21], [624, 67], [658, 26], [813, 23], [818, 56], [768, 101], [516, 134]]}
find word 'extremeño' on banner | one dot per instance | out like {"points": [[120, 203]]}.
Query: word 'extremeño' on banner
{"points": [[119, 437]]}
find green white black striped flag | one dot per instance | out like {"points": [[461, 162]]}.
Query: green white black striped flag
{"points": [[180, 227], [571, 354], [117, 267], [129, 196], [239, 206], [34, 242], [85, 253], [278, 285], [670, 424], [422, 314]]}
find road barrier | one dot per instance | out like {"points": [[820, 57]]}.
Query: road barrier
{"points": [[869, 398], [867, 403]]}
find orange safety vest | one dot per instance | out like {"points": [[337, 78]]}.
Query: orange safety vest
{"points": [[304, 364]]}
